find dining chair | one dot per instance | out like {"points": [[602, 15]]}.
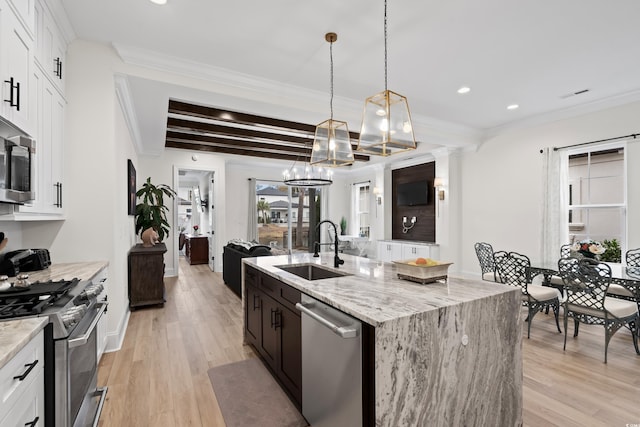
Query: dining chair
{"points": [[484, 252], [511, 269], [632, 257], [565, 251], [586, 284]]}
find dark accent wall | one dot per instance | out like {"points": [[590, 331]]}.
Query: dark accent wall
{"points": [[425, 228]]}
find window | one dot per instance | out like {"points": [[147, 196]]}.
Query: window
{"points": [[362, 206], [597, 194]]}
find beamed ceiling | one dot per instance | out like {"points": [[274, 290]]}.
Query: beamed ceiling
{"points": [[197, 127]]}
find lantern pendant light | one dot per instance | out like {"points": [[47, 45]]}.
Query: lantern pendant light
{"points": [[386, 122], [331, 145]]}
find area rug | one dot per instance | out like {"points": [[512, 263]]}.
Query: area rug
{"points": [[249, 396]]}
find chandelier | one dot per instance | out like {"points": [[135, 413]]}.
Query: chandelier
{"points": [[332, 146], [386, 122]]}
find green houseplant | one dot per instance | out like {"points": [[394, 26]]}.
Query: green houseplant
{"points": [[151, 212], [343, 226]]}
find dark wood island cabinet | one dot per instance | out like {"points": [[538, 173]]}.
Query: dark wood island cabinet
{"points": [[273, 327], [146, 275]]}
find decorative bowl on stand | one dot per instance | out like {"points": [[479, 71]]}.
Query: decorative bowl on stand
{"points": [[422, 273]]}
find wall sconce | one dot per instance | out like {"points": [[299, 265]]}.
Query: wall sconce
{"points": [[406, 227], [438, 183], [378, 193]]}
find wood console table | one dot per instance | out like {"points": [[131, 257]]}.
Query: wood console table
{"points": [[196, 248], [146, 275]]}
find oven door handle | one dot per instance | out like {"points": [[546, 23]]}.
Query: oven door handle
{"points": [[84, 338]]}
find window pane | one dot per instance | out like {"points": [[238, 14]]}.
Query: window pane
{"points": [[599, 224]]}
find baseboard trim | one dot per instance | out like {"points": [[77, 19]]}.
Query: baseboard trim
{"points": [[115, 340]]}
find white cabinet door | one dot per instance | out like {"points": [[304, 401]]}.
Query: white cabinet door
{"points": [[389, 251], [16, 62], [410, 251], [25, 13], [29, 409], [51, 47]]}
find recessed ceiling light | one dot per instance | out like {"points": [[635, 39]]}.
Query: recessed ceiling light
{"points": [[464, 89], [512, 107], [158, 1]]}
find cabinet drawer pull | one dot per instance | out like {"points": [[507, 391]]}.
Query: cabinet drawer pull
{"points": [[29, 367], [32, 423], [278, 319], [273, 317]]}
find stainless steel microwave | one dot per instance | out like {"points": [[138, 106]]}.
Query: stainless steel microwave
{"points": [[17, 183]]}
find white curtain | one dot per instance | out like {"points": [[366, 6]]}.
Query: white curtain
{"points": [[555, 210], [252, 221]]}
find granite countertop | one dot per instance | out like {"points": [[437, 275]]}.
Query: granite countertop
{"points": [[66, 271], [15, 334], [372, 292]]}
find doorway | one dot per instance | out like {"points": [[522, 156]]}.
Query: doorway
{"points": [[195, 217]]}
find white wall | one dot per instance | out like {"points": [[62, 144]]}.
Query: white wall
{"points": [[164, 170], [501, 183], [96, 150]]}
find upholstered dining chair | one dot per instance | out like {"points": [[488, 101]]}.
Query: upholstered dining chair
{"points": [[511, 269], [586, 284], [484, 252], [632, 257]]}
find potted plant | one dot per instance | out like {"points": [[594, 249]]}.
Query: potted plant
{"points": [[151, 212], [343, 226]]}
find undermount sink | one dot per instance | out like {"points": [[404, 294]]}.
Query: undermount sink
{"points": [[311, 271]]}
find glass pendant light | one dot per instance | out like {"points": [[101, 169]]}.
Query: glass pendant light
{"points": [[332, 146], [386, 122]]}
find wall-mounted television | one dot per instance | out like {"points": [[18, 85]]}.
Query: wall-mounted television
{"points": [[414, 193]]}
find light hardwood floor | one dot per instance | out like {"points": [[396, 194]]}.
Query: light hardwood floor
{"points": [[159, 377]]}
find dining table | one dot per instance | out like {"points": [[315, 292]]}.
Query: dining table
{"points": [[625, 276]]}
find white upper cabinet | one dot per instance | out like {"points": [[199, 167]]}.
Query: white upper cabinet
{"points": [[51, 48], [16, 70], [25, 13]]}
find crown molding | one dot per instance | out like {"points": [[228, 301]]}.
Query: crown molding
{"points": [[565, 113], [60, 18], [431, 130], [123, 93]]}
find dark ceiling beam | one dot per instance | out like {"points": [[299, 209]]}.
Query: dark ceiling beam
{"points": [[211, 113], [177, 136], [188, 137], [237, 151], [175, 123]]}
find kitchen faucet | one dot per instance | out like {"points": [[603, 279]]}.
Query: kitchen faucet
{"points": [[316, 245]]}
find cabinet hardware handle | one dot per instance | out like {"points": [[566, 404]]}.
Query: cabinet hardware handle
{"points": [[13, 102], [58, 70], [29, 367], [278, 318], [256, 306], [32, 423], [60, 187], [273, 321]]}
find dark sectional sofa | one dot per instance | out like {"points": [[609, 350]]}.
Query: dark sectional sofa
{"points": [[232, 262]]}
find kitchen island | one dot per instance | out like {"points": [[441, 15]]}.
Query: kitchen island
{"points": [[444, 353]]}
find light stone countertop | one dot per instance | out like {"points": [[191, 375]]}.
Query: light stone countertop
{"points": [[15, 334], [372, 292], [66, 271]]}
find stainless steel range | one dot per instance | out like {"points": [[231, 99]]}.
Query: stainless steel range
{"points": [[72, 397]]}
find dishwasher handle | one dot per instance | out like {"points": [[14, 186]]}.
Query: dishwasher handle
{"points": [[342, 331]]}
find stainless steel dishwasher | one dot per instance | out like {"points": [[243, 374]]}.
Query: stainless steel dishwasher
{"points": [[331, 365]]}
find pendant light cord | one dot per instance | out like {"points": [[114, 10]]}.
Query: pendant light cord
{"points": [[331, 74], [385, 45]]}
